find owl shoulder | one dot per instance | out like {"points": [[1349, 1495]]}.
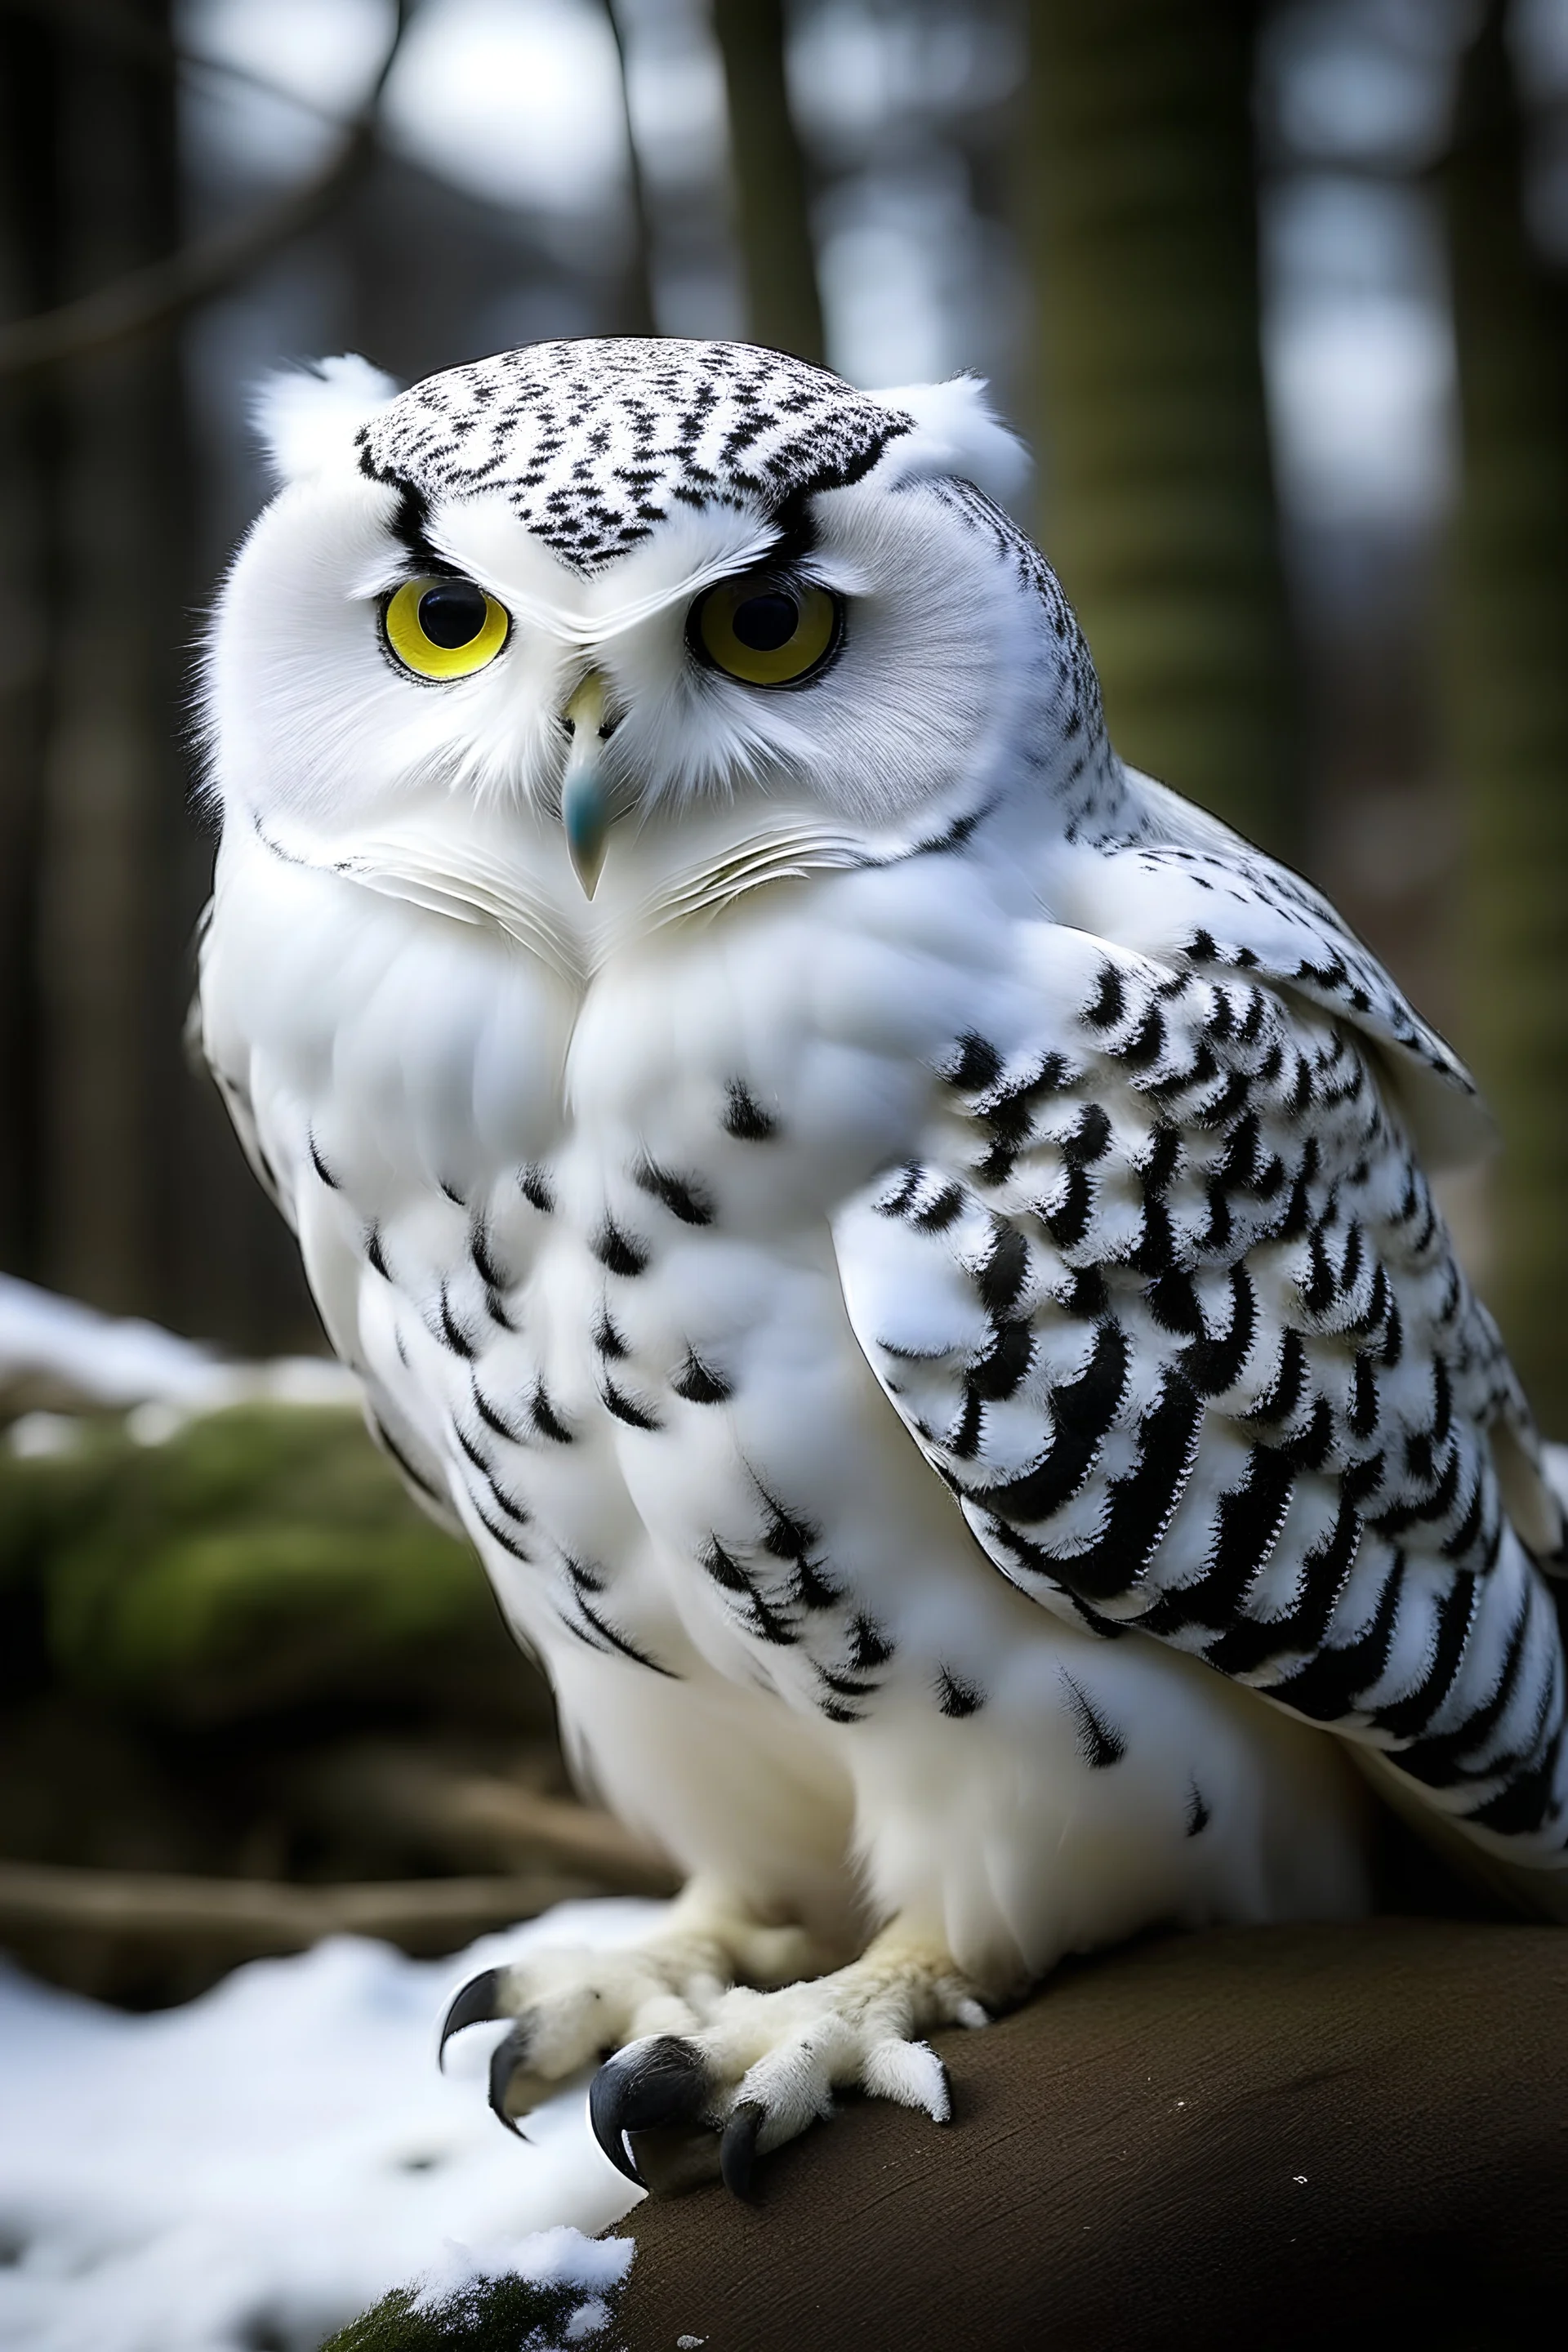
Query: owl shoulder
{"points": [[1194, 895]]}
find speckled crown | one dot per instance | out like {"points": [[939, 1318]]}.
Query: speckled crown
{"points": [[593, 442]]}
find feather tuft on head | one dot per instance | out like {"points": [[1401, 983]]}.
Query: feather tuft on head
{"points": [[308, 416], [957, 431]]}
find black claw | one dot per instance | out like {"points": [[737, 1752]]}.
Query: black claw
{"points": [[615, 2148], [738, 2148], [475, 2005], [509, 2052], [651, 2083]]}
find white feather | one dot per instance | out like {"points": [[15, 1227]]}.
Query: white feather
{"points": [[307, 416], [957, 432]]}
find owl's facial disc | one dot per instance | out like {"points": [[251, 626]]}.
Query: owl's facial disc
{"points": [[802, 616], [759, 628], [586, 810]]}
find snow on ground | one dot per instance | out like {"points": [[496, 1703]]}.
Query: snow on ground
{"points": [[263, 2164]]}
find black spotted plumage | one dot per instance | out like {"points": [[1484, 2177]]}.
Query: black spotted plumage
{"points": [[620, 1252], [698, 1384], [744, 1116]]}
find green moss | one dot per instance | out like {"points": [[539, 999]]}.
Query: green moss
{"points": [[262, 1559], [507, 2315]]}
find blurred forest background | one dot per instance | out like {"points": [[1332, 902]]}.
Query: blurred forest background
{"points": [[1278, 292]]}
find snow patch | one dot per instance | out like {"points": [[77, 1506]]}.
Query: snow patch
{"points": [[271, 2160], [559, 2257]]}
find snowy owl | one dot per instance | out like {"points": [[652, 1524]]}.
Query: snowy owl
{"points": [[906, 1248]]}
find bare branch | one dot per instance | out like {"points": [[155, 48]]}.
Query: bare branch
{"points": [[254, 1916], [150, 297], [474, 1819], [637, 298], [114, 26], [576, 1837], [549, 1850]]}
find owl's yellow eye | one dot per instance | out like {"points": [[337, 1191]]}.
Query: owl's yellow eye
{"points": [[765, 632], [445, 628]]}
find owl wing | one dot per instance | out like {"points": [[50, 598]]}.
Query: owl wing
{"points": [[1165, 1299]]}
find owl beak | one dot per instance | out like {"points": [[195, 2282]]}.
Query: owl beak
{"points": [[585, 796]]}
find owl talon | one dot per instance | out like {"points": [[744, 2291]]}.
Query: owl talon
{"points": [[738, 2148], [647, 2086], [507, 2061], [477, 2003]]}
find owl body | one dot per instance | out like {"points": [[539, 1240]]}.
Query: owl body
{"points": [[605, 1327], [905, 1247]]}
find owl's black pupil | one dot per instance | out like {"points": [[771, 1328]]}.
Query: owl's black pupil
{"points": [[452, 614], [766, 623]]}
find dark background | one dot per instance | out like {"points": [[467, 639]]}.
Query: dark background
{"points": [[1278, 293]]}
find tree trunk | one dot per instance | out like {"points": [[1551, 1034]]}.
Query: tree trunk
{"points": [[115, 1182], [1507, 676], [109, 936], [27, 62], [772, 215], [1158, 503]]}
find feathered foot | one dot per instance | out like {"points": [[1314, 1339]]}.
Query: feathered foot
{"points": [[572, 2004], [764, 2066]]}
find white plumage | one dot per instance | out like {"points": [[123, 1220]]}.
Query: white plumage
{"points": [[901, 1243]]}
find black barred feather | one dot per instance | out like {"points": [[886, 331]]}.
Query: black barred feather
{"points": [[1266, 1434]]}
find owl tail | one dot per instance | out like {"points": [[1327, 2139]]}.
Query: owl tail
{"points": [[1533, 1891], [1536, 1891]]}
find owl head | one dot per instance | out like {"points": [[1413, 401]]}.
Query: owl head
{"points": [[598, 592]]}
